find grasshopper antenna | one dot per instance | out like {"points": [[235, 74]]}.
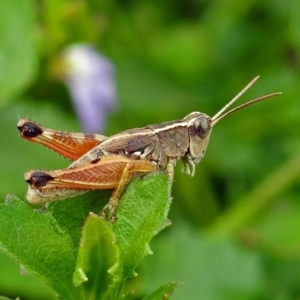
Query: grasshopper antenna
{"points": [[218, 116]]}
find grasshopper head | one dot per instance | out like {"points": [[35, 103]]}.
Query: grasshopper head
{"points": [[200, 126], [199, 129]]}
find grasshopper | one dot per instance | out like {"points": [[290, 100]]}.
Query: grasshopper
{"points": [[155, 147]]}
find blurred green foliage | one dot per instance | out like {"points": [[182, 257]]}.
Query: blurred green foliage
{"points": [[236, 224]]}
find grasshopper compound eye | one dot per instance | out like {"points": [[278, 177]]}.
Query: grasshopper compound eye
{"points": [[198, 124], [202, 126]]}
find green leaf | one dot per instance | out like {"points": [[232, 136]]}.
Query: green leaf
{"points": [[35, 240], [127, 297], [5, 298], [45, 242], [71, 213], [18, 57], [98, 263], [142, 213], [163, 292]]}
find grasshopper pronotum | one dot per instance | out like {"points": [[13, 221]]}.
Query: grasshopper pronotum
{"points": [[139, 150]]}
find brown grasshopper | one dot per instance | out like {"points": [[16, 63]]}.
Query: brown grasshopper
{"points": [[159, 144]]}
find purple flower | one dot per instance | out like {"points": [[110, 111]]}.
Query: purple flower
{"points": [[90, 79]]}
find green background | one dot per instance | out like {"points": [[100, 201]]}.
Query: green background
{"points": [[235, 230]]}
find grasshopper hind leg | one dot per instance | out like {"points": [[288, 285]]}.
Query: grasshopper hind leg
{"points": [[108, 211]]}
